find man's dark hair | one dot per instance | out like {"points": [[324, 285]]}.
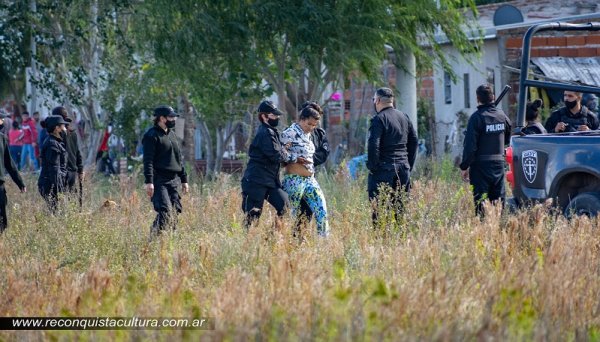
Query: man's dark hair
{"points": [[15, 125], [60, 110], [485, 93]]}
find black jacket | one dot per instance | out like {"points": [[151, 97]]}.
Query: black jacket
{"points": [[54, 163], [8, 165], [74, 160], [534, 128], [573, 121], [265, 155], [488, 131], [162, 155], [392, 141], [319, 138]]}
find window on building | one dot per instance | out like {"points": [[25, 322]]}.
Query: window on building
{"points": [[467, 89], [447, 88], [491, 77], [347, 105]]}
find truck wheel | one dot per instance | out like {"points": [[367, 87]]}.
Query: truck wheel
{"points": [[587, 203]]}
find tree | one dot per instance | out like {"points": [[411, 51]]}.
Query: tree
{"points": [[202, 44], [13, 48], [298, 47], [77, 44]]}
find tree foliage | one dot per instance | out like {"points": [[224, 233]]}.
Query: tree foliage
{"points": [[125, 56]]}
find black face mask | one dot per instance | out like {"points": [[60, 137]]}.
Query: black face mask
{"points": [[570, 104], [170, 124], [2, 127], [63, 135], [273, 122]]}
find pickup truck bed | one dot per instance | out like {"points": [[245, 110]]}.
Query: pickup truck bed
{"points": [[560, 166]]}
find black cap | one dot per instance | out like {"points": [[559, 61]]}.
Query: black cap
{"points": [[384, 92], [54, 120], [165, 111], [3, 115], [268, 107]]}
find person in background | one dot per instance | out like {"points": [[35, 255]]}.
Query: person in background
{"points": [[38, 129], [54, 156], [15, 135], [163, 169], [392, 151], [7, 165], [532, 113], [572, 117], [74, 161], [103, 161], [42, 135], [7, 124], [29, 141], [591, 102]]}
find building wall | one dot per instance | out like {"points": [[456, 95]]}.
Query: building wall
{"points": [[462, 98]]}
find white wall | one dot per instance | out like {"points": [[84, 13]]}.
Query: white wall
{"points": [[445, 113]]}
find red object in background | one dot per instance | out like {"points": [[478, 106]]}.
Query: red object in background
{"points": [[510, 176], [104, 144]]}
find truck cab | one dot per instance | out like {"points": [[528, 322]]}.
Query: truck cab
{"points": [[564, 167]]}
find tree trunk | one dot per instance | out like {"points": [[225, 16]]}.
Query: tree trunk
{"points": [[207, 144], [33, 47], [224, 136], [189, 128]]}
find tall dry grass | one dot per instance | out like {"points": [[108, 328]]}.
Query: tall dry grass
{"points": [[435, 273]]}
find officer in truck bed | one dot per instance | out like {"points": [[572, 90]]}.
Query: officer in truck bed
{"points": [[572, 117], [482, 163]]}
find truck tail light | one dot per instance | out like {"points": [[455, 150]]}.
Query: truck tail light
{"points": [[510, 176]]}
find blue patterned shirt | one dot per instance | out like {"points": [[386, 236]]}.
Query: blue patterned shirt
{"points": [[302, 145]]}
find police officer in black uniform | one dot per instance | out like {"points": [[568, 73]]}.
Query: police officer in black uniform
{"points": [[6, 166], [74, 159], [261, 179], [572, 117], [482, 163], [162, 166], [53, 155], [392, 149]]}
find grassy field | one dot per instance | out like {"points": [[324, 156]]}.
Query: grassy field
{"points": [[438, 273]]}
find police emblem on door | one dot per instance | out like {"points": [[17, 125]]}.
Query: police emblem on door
{"points": [[530, 164]]}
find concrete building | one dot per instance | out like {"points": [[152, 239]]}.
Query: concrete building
{"points": [[503, 26]]}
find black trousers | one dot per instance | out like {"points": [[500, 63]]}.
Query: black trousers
{"points": [[71, 181], [487, 179], [3, 203], [50, 194], [167, 204], [398, 179], [253, 197]]}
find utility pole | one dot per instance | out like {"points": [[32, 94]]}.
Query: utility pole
{"points": [[406, 83]]}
